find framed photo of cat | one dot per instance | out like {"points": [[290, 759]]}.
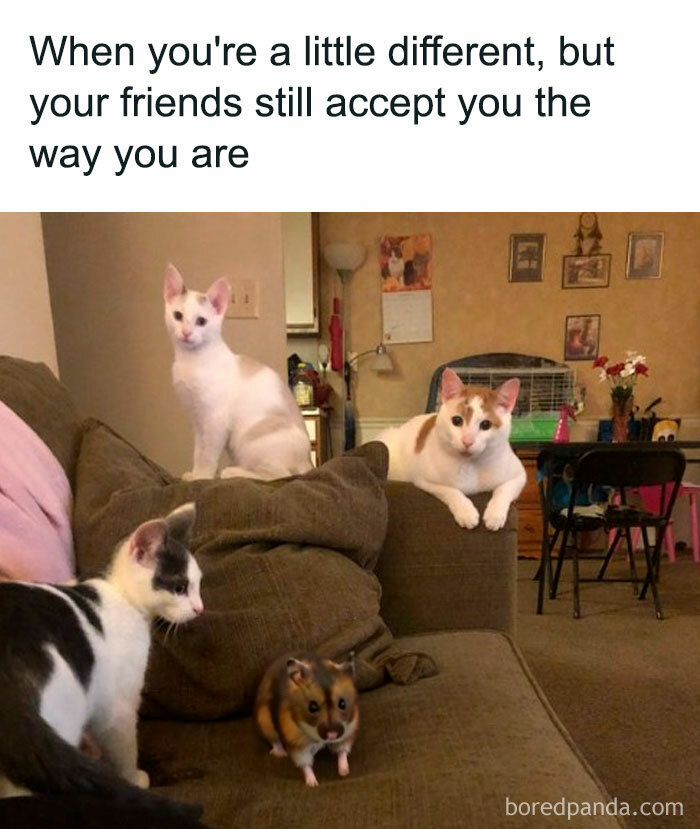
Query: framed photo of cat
{"points": [[526, 261]]}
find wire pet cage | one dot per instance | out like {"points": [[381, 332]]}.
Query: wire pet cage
{"points": [[545, 386]]}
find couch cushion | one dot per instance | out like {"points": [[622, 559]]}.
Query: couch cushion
{"points": [[466, 578], [445, 752], [286, 566], [33, 393]]}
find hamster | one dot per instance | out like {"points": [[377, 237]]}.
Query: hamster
{"points": [[304, 704]]}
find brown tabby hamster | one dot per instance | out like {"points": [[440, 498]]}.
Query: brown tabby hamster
{"points": [[304, 704]]}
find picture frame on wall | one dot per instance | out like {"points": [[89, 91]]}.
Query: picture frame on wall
{"points": [[645, 253], [586, 271], [526, 260], [581, 337]]}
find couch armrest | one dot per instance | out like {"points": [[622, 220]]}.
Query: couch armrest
{"points": [[436, 575]]}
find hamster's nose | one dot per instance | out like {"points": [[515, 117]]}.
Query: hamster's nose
{"points": [[331, 732]]}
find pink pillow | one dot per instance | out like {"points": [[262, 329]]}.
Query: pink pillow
{"points": [[36, 543]]}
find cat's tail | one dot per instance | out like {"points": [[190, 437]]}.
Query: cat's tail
{"points": [[34, 757]]}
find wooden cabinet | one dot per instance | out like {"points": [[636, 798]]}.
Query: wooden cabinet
{"points": [[317, 425], [529, 512], [301, 269]]}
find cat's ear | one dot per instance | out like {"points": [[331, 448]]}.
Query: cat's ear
{"points": [[219, 295], [173, 284], [180, 522], [507, 394], [451, 385], [297, 671], [146, 540]]}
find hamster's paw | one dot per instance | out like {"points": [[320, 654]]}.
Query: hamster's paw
{"points": [[465, 513], [278, 750], [310, 777], [142, 780], [495, 514], [343, 766]]}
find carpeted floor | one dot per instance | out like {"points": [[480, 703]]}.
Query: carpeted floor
{"points": [[625, 685]]}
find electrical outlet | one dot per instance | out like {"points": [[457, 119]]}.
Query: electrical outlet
{"points": [[244, 299]]}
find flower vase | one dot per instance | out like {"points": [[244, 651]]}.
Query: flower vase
{"points": [[621, 418]]}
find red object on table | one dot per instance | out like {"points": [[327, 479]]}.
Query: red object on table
{"points": [[335, 329]]}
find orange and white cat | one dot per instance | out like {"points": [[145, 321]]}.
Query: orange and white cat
{"points": [[461, 450]]}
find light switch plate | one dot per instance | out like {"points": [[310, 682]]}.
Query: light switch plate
{"points": [[244, 299]]}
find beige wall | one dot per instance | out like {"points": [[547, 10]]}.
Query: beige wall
{"points": [[105, 273], [26, 328], [476, 309]]}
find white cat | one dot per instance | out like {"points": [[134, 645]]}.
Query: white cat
{"points": [[462, 450], [397, 265], [74, 657], [234, 402]]}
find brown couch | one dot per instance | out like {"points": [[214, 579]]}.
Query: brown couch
{"points": [[445, 750]]}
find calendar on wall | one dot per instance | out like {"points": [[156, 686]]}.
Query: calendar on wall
{"points": [[407, 283]]}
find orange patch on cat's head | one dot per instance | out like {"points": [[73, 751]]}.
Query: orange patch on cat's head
{"points": [[490, 399]]}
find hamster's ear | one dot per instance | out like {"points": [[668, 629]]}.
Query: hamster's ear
{"points": [[508, 393], [297, 671], [173, 283], [348, 666], [219, 295], [451, 385]]}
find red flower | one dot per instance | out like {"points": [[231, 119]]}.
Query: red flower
{"points": [[616, 369], [640, 368], [600, 361]]}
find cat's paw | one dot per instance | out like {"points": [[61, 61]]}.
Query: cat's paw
{"points": [[196, 475], [242, 472], [142, 780], [495, 514], [465, 513]]}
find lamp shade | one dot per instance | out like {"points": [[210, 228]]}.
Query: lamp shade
{"points": [[381, 361], [345, 256]]}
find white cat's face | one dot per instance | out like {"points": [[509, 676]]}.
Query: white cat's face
{"points": [[471, 418], [193, 318]]}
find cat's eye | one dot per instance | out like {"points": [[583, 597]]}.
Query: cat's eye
{"points": [[178, 315], [457, 420], [485, 425], [342, 704], [180, 589], [313, 707], [201, 320]]}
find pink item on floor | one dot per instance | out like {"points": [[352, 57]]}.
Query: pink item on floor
{"points": [[691, 492], [651, 498], [36, 543]]}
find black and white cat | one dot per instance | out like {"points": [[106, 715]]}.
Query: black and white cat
{"points": [[74, 658]]}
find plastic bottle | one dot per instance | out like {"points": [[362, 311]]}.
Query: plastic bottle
{"points": [[303, 386]]}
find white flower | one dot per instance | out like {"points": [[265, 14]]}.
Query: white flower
{"points": [[627, 371], [602, 376]]}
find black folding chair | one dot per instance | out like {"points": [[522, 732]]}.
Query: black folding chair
{"points": [[622, 468]]}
